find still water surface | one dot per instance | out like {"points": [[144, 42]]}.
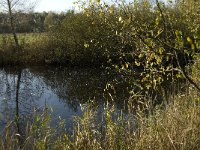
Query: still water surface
{"points": [[63, 90]]}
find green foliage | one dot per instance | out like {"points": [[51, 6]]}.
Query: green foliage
{"points": [[149, 45], [151, 41]]}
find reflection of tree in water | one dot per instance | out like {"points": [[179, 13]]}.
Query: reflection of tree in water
{"points": [[6, 104], [79, 85], [18, 90]]}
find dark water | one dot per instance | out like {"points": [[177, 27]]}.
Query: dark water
{"points": [[63, 90]]}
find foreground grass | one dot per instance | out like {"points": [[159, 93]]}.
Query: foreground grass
{"points": [[176, 127]]}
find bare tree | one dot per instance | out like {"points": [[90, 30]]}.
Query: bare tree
{"points": [[13, 6]]}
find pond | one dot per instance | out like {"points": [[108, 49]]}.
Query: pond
{"points": [[63, 90]]}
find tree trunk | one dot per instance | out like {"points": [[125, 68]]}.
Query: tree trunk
{"points": [[12, 23]]}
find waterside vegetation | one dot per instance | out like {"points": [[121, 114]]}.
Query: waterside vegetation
{"points": [[150, 45], [134, 33], [177, 126]]}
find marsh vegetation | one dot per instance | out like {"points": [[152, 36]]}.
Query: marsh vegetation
{"points": [[120, 75]]}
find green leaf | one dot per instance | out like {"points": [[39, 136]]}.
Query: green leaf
{"points": [[140, 56], [137, 63], [189, 40], [98, 1], [120, 19], [86, 45]]}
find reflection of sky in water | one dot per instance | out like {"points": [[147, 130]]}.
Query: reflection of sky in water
{"points": [[60, 89], [34, 93], [58, 107]]}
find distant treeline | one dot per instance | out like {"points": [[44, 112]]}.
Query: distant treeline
{"points": [[30, 22]]}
